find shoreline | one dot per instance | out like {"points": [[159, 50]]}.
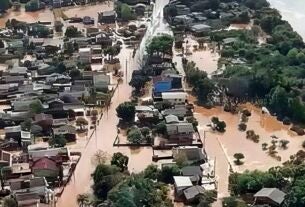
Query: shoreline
{"points": [[294, 18]]}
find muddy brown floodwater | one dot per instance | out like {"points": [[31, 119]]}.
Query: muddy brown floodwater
{"points": [[234, 141], [30, 17], [222, 146], [87, 10], [206, 59], [105, 135]]}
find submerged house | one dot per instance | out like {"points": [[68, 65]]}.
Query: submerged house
{"points": [[107, 17], [46, 167], [193, 154], [68, 131], [272, 197], [174, 98]]}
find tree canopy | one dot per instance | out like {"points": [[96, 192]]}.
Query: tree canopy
{"points": [[4, 5], [160, 45], [120, 160], [126, 111]]}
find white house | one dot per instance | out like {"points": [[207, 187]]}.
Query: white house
{"points": [[174, 97], [85, 55]]}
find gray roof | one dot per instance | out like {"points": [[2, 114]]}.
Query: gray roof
{"points": [[66, 129], [192, 192], [178, 128], [176, 111], [171, 119], [18, 70], [191, 171], [108, 13], [144, 108], [200, 28], [229, 40], [9, 79], [52, 152], [193, 154], [272, 193], [12, 129], [32, 182]]}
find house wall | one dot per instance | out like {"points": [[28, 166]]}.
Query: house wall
{"points": [[175, 100], [47, 173]]}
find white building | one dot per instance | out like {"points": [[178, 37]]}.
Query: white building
{"points": [[174, 97], [85, 55]]}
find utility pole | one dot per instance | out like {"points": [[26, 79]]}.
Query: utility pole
{"points": [[126, 69]]}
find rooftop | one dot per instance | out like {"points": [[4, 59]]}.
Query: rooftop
{"points": [[174, 95], [182, 181], [272, 193]]}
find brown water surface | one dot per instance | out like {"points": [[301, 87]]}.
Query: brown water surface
{"points": [[29, 17]]}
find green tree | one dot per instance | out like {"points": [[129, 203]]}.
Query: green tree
{"points": [[9, 202], [75, 74], [284, 143], [145, 131], [297, 193], [126, 13], [32, 5], [112, 51], [71, 31], [126, 111], [139, 191], [160, 128], [203, 89], [160, 45], [233, 202], [81, 122], [297, 109], [167, 173], [207, 198], [26, 125], [105, 177], [82, 200], [238, 157], [120, 160], [221, 126], [292, 56], [138, 82], [58, 141], [4, 5], [36, 107], [151, 172], [135, 136]]}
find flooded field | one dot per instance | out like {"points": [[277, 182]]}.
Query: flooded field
{"points": [[30, 17], [48, 15], [234, 141], [88, 10], [205, 58]]}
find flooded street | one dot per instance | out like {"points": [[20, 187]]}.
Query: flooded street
{"points": [[106, 132], [220, 147]]}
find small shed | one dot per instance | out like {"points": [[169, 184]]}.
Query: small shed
{"points": [[270, 196]]}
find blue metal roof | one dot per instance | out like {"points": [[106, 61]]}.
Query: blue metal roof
{"points": [[162, 86]]}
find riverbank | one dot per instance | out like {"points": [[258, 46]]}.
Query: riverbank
{"points": [[293, 12]]}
